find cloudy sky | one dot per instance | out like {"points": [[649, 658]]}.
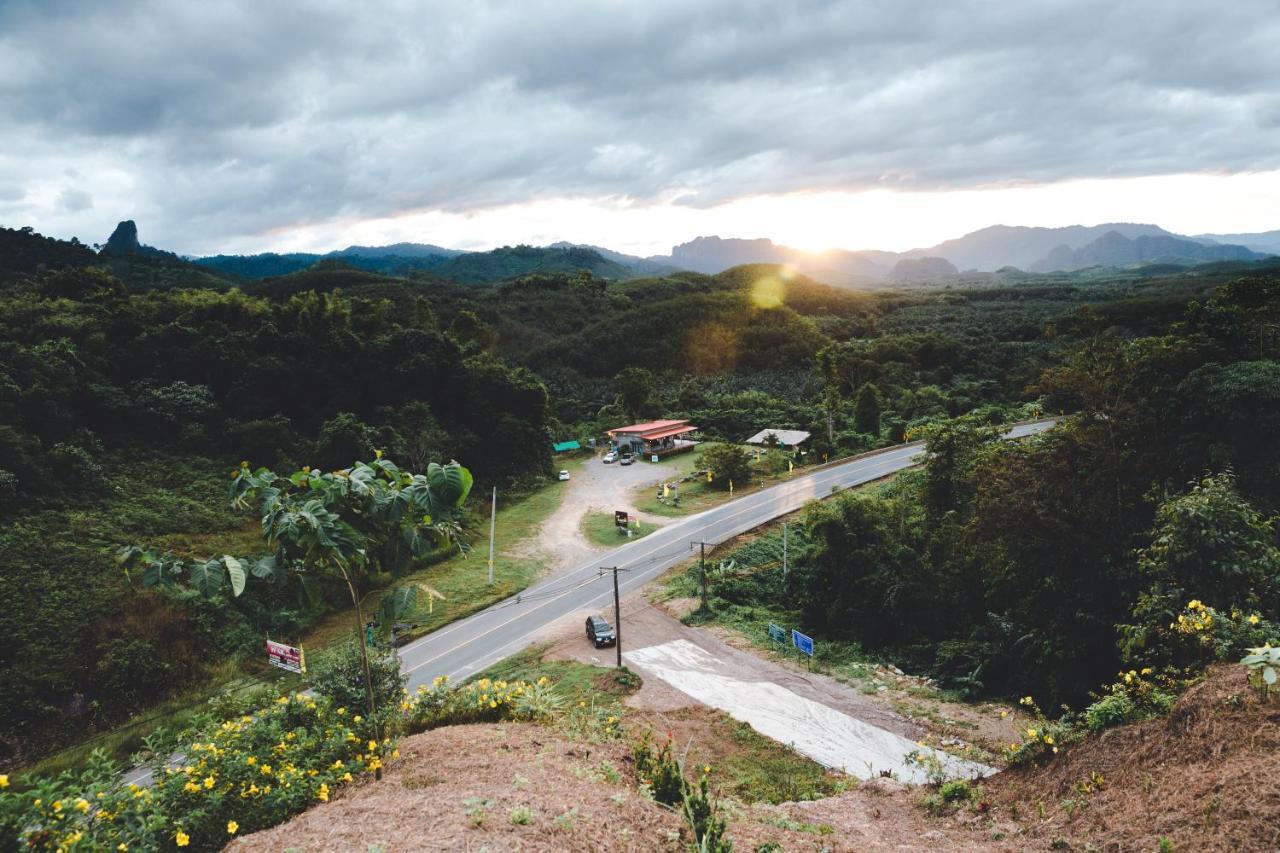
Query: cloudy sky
{"points": [[245, 126]]}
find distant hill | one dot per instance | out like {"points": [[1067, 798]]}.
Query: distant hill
{"points": [[452, 264], [1113, 249], [989, 249], [638, 265], [712, 255], [922, 269], [513, 261], [403, 250], [266, 265], [23, 251], [1264, 241]]}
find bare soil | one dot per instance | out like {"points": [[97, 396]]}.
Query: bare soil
{"points": [[469, 788], [594, 487], [1207, 777]]}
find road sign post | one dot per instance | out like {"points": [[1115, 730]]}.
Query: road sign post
{"points": [[803, 644], [778, 634]]}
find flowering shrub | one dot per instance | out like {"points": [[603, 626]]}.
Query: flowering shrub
{"points": [[659, 773], [1135, 695], [482, 701], [1042, 739], [238, 776]]}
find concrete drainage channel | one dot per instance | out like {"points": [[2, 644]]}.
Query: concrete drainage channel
{"points": [[830, 737]]}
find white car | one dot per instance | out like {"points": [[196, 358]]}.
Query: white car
{"points": [[564, 475], [610, 458]]}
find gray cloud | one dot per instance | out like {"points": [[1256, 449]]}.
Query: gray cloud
{"points": [[214, 120]]}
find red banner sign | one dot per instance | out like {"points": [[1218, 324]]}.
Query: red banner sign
{"points": [[286, 657]]}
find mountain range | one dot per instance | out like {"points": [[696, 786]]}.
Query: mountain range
{"points": [[993, 249]]}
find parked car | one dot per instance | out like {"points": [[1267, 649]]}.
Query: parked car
{"points": [[628, 459], [600, 632], [610, 458], [564, 475]]}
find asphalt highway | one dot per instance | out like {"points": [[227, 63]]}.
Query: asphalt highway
{"points": [[465, 647]]}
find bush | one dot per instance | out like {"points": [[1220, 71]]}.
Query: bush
{"points": [[339, 675], [238, 776], [482, 701], [727, 463]]}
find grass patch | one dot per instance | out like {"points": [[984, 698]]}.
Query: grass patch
{"points": [[698, 495], [573, 680], [763, 770], [599, 529]]}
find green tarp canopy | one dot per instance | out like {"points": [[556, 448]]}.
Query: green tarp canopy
{"points": [[562, 446]]}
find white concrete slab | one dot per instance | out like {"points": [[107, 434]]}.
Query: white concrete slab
{"points": [[830, 737]]}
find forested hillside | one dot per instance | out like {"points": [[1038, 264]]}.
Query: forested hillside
{"points": [[131, 385]]}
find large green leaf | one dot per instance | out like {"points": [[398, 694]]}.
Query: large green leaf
{"points": [[404, 600], [450, 484], [207, 577], [235, 571]]}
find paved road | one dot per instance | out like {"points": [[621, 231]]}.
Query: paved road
{"points": [[468, 646]]}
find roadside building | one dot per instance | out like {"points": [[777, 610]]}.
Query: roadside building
{"points": [[654, 438], [783, 439]]}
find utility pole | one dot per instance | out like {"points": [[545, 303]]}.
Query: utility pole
{"points": [[493, 525], [617, 610], [784, 553], [702, 570]]}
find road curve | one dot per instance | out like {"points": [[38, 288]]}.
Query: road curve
{"points": [[467, 646]]}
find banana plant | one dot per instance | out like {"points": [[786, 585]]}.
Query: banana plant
{"points": [[373, 518]]}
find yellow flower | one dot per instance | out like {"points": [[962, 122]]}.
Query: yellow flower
{"points": [[357, 718], [208, 781], [395, 753], [341, 711], [706, 768], [122, 847], [1146, 670], [232, 826], [1004, 714], [181, 839], [1253, 620], [82, 805], [1025, 700], [251, 761], [1048, 739], [1031, 732], [373, 744], [1128, 678], [57, 805], [323, 794], [4, 780], [346, 777]]}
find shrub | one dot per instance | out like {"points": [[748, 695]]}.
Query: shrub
{"points": [[339, 675], [658, 771], [237, 776], [482, 701], [726, 463]]}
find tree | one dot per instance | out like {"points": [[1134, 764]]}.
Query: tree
{"points": [[1209, 544], [347, 525], [343, 437], [866, 412], [727, 463], [636, 386]]}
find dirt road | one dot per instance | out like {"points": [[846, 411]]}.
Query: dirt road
{"points": [[599, 487]]}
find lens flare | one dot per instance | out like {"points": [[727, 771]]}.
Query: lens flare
{"points": [[767, 292]]}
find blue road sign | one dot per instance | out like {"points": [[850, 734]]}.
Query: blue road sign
{"points": [[777, 633], [801, 642]]}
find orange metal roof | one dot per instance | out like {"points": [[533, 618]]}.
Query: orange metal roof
{"points": [[654, 429], [668, 432]]}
